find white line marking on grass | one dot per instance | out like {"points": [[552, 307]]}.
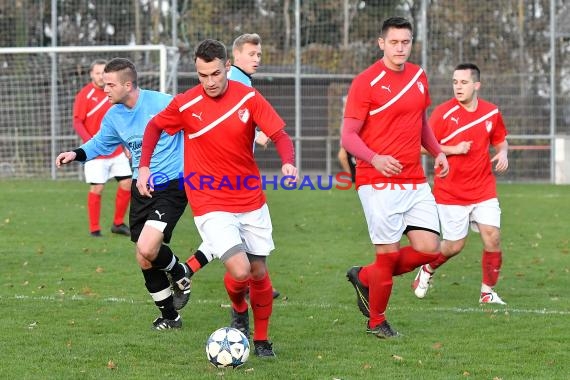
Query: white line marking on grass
{"points": [[279, 303]]}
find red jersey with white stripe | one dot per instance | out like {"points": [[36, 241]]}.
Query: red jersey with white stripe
{"points": [[392, 104], [470, 179], [91, 104], [219, 167]]}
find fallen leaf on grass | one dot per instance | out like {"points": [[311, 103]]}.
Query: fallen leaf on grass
{"points": [[111, 365], [398, 358], [437, 346]]}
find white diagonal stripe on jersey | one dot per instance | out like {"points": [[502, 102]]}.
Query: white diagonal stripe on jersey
{"points": [[452, 110], [190, 103], [467, 126], [90, 93], [216, 122], [377, 79], [101, 103], [399, 95]]}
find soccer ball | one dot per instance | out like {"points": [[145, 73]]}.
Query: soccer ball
{"points": [[227, 347]]}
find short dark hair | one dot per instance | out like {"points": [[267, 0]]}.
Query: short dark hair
{"points": [[475, 72], [397, 23], [97, 62], [208, 50], [126, 69]]}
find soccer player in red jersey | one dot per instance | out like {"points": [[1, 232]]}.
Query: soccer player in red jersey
{"points": [[247, 57], [385, 126], [222, 180], [91, 104], [466, 126]]}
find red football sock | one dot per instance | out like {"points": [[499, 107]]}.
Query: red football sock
{"points": [[491, 265], [410, 259], [363, 275], [380, 280], [121, 204], [94, 211], [261, 299], [197, 261], [439, 261], [236, 291]]}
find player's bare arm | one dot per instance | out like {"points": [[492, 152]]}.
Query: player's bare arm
{"points": [[462, 148], [261, 139], [500, 158], [343, 160]]}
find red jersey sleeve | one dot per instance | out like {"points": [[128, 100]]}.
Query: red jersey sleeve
{"points": [[499, 133], [265, 116], [169, 119], [358, 100]]}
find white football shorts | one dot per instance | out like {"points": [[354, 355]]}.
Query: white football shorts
{"points": [[100, 170], [225, 233], [389, 209], [455, 220]]}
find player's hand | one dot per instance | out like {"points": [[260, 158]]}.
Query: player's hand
{"points": [[65, 158], [143, 186], [387, 165], [501, 162], [441, 166], [290, 171], [463, 147]]}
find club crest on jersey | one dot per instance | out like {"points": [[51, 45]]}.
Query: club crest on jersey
{"points": [[420, 87], [243, 115], [488, 125]]}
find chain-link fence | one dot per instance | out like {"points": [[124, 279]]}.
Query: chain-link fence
{"points": [[311, 51]]}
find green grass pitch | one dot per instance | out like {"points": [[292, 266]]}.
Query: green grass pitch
{"points": [[75, 307]]}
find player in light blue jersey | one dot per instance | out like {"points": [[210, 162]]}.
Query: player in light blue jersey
{"points": [[152, 220], [246, 52]]}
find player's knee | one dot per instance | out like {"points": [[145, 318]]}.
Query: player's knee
{"points": [[258, 271], [427, 245], [143, 263], [145, 252], [239, 274], [491, 239], [258, 266], [452, 247]]}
